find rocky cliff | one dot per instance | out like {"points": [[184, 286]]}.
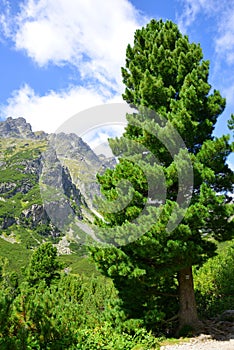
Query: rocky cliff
{"points": [[46, 181]]}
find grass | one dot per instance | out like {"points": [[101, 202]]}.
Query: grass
{"points": [[11, 147], [79, 265], [14, 153], [18, 257], [172, 341], [16, 254]]}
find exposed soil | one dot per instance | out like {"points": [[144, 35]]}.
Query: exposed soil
{"points": [[215, 334], [198, 344]]}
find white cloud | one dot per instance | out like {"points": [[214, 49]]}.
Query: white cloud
{"points": [[189, 13], [228, 92], [100, 135], [50, 111], [223, 13], [192, 9], [98, 139], [4, 25], [90, 34], [224, 43], [231, 164]]}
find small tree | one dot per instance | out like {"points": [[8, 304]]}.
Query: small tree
{"points": [[166, 74], [44, 265]]}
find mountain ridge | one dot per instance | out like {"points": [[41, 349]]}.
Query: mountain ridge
{"points": [[31, 161]]}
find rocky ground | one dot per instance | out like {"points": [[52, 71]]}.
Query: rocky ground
{"points": [[202, 343], [215, 334]]}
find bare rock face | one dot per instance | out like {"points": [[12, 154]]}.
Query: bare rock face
{"points": [[47, 180], [72, 146], [7, 222], [17, 128], [59, 194], [36, 213], [8, 187], [81, 162]]}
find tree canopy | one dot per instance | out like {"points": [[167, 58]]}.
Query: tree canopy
{"points": [[44, 265], [166, 79]]}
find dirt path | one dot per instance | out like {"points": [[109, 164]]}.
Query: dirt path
{"points": [[202, 344], [215, 334]]}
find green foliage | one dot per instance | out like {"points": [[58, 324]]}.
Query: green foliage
{"points": [[52, 309], [8, 291], [18, 256], [214, 282], [77, 312], [166, 74], [231, 122], [33, 196], [106, 338], [70, 312], [79, 265], [19, 180], [44, 265]]}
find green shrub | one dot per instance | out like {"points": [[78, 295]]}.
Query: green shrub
{"points": [[74, 313], [214, 282]]}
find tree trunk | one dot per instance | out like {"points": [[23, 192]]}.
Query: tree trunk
{"points": [[188, 309]]}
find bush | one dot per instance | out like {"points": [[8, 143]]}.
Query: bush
{"points": [[75, 313], [214, 282], [53, 310]]}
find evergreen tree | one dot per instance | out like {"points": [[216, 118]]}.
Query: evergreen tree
{"points": [[167, 79], [43, 265]]}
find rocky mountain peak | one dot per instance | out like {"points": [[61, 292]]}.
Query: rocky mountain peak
{"points": [[72, 146], [20, 129], [48, 182], [17, 128]]}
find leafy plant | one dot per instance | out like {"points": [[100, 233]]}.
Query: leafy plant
{"points": [[214, 282]]}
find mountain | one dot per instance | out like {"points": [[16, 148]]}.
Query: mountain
{"points": [[47, 185]]}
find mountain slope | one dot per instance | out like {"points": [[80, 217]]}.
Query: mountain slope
{"points": [[64, 165]]}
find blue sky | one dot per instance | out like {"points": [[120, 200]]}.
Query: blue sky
{"points": [[61, 57]]}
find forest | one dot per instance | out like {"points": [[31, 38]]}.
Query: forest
{"points": [[49, 308]]}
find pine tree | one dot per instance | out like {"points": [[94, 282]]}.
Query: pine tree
{"points": [[44, 265], [166, 78]]}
